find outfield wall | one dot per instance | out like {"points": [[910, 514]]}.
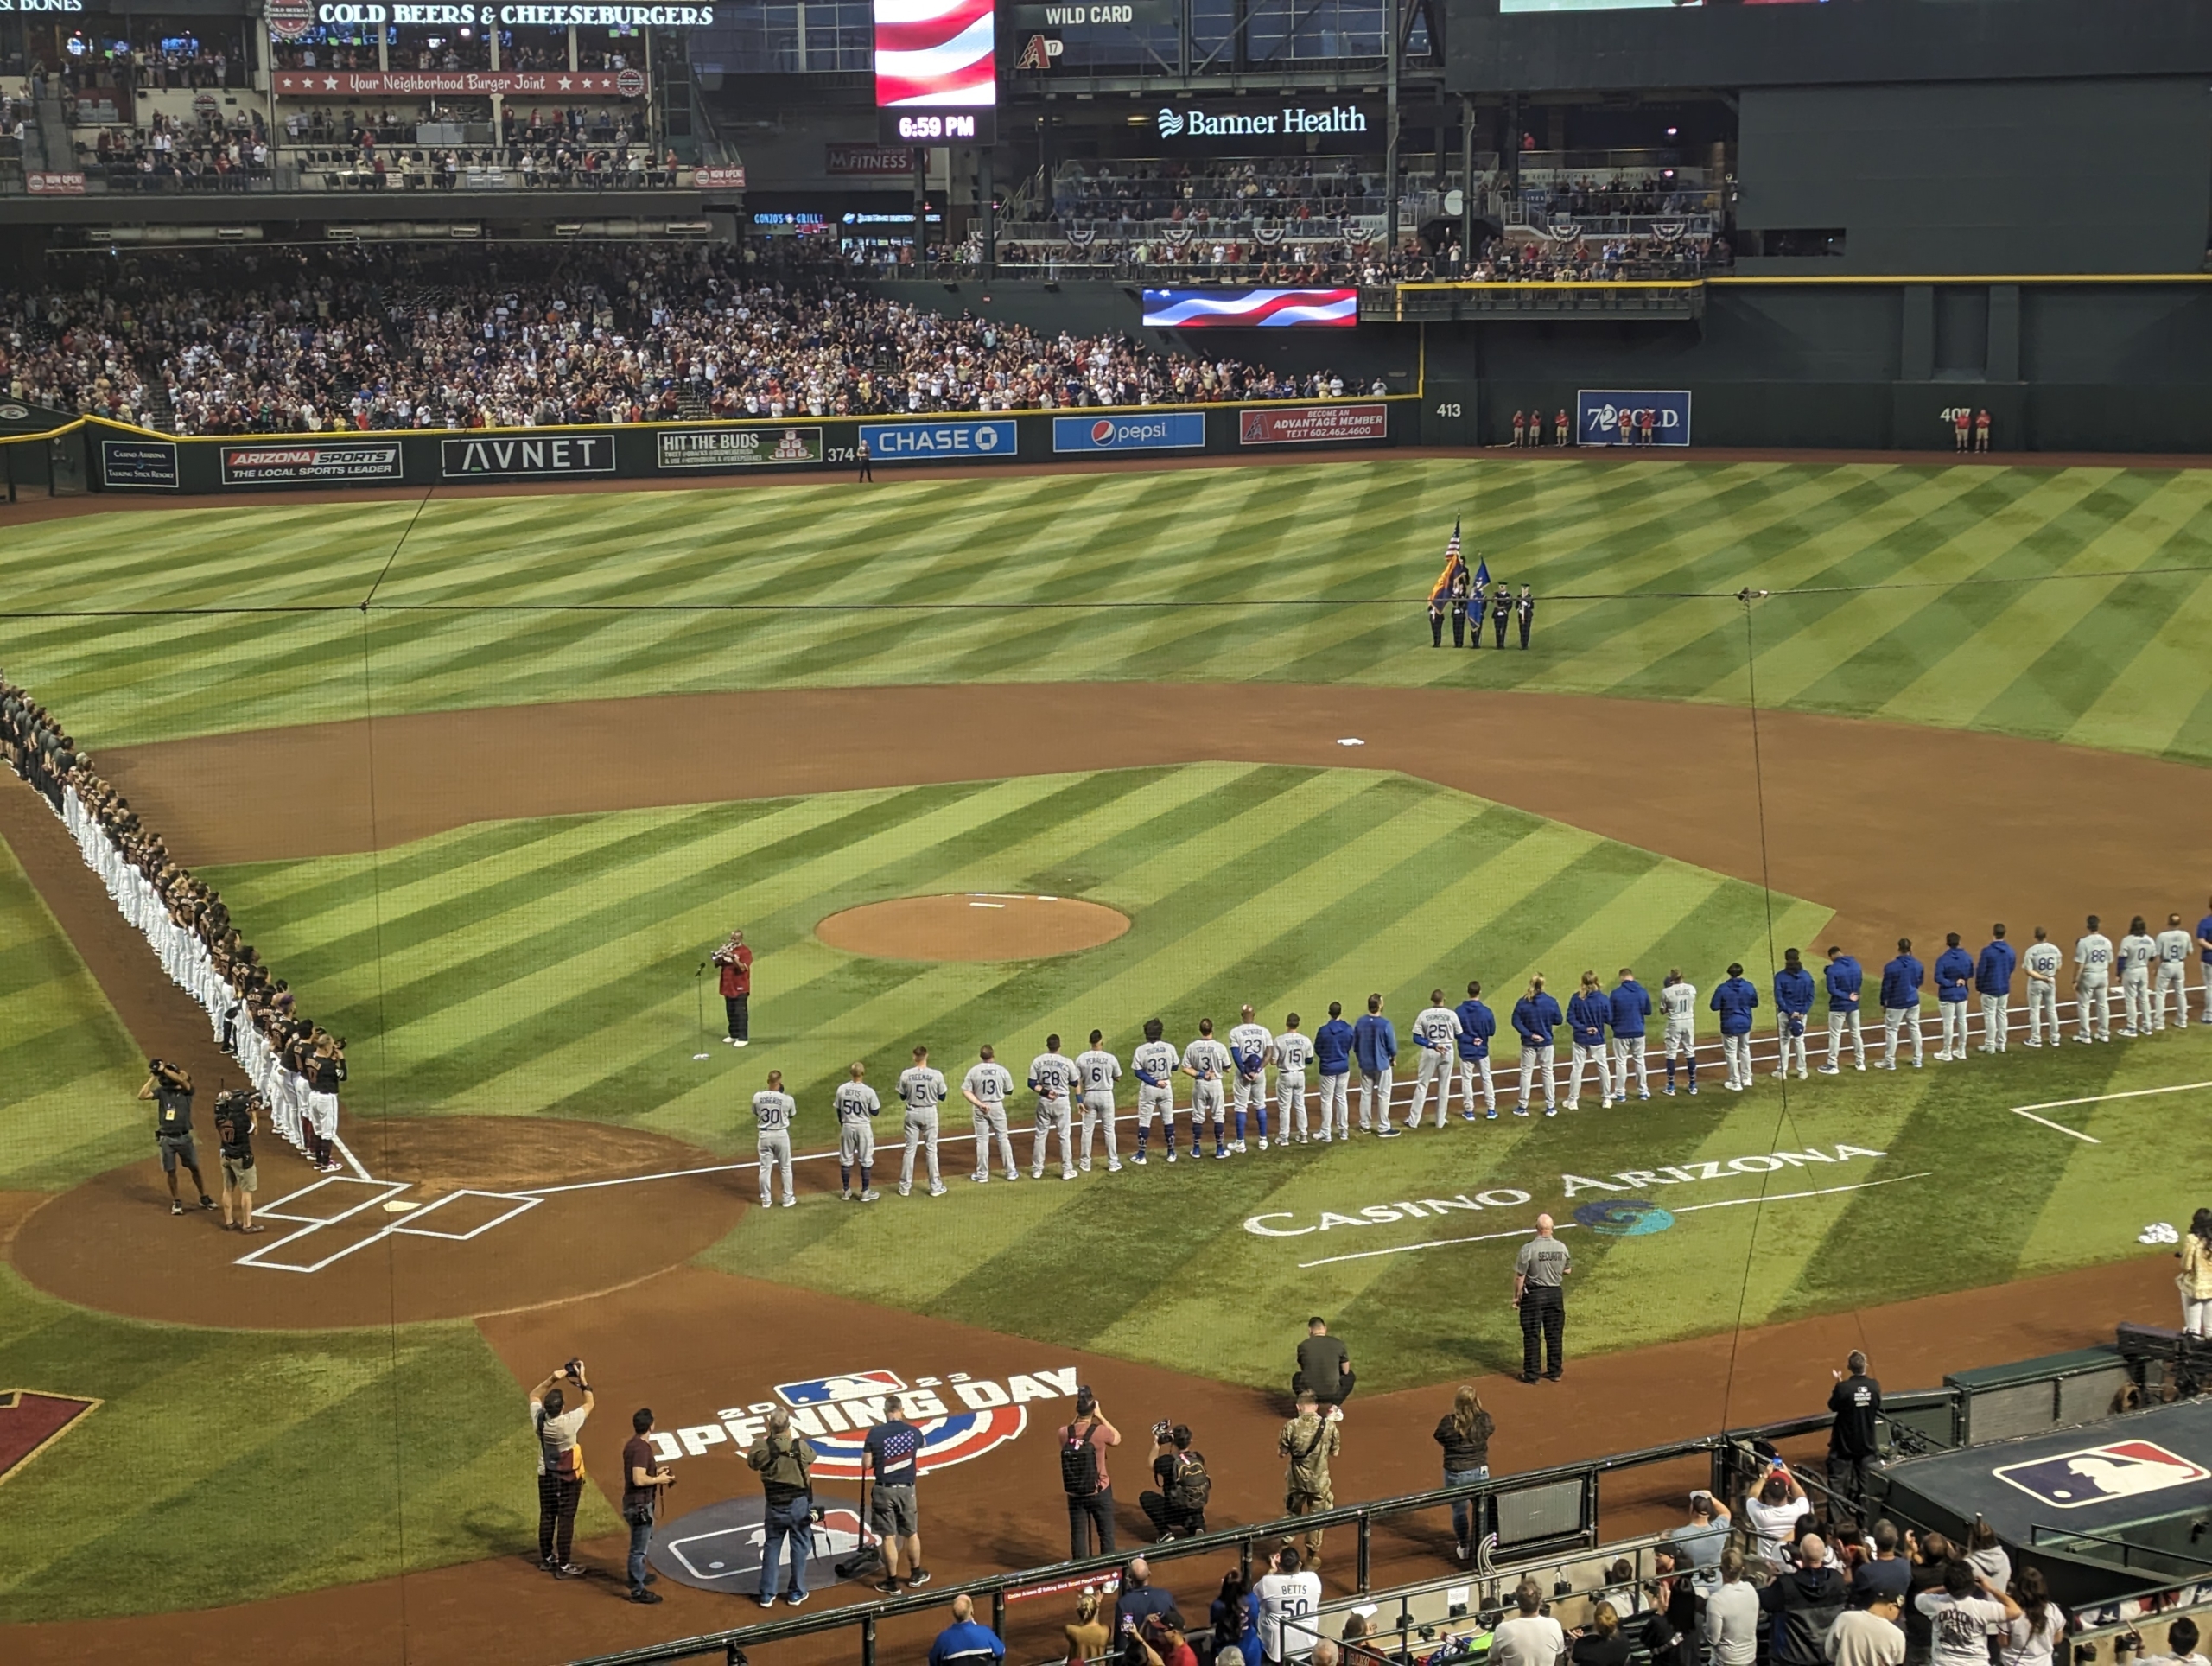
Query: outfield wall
{"points": [[141, 461]]}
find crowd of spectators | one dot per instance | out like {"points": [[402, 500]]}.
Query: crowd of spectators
{"points": [[206, 154], [288, 1057], [367, 131], [1603, 260], [1321, 191], [302, 341], [450, 52], [1650, 195]]}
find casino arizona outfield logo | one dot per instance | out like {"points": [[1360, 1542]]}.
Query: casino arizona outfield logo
{"points": [[961, 1417]]}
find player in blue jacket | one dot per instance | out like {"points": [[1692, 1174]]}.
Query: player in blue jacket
{"points": [[1589, 1015], [1735, 1000], [1632, 1007], [1478, 1024], [1845, 981], [1332, 1059], [1375, 1043], [1901, 982], [1993, 980], [1953, 977], [1793, 1008], [1536, 1016]]}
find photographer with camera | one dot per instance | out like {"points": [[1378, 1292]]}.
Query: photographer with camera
{"points": [[785, 1464], [236, 1123], [169, 1086], [645, 1484], [1179, 1505], [557, 1424]]}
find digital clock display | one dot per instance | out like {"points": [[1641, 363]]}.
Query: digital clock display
{"points": [[931, 127]]}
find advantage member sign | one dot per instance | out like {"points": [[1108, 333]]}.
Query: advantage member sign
{"points": [[283, 465], [737, 448], [552, 456], [911, 443], [1313, 425]]}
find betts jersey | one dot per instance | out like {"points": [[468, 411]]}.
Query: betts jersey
{"points": [[1294, 1053], [773, 1110], [855, 1101], [2093, 954], [1679, 1002], [1097, 1071], [922, 1088], [1438, 1028], [1052, 1075], [1205, 1059], [1157, 1060], [990, 1081]]}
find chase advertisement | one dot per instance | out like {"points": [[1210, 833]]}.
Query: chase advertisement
{"points": [[1614, 417], [897, 443], [1163, 431]]}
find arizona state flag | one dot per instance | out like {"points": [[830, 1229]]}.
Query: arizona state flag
{"points": [[1453, 566]]}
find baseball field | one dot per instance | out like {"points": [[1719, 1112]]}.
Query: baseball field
{"points": [[978, 760]]}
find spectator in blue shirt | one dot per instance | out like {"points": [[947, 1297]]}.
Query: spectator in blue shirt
{"points": [[1589, 1015], [1735, 1000], [1375, 1043], [1478, 1024], [1333, 1058], [1632, 1007], [964, 1643], [1901, 982], [1844, 979], [1793, 1005], [1993, 976], [1953, 976], [1536, 1016]]}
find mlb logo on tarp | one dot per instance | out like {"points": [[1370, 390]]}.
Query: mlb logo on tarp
{"points": [[2096, 1475], [829, 1390]]}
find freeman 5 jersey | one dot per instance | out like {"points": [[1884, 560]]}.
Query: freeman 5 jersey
{"points": [[922, 1088]]}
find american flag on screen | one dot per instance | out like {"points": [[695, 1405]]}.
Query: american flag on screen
{"points": [[935, 52], [1192, 309]]}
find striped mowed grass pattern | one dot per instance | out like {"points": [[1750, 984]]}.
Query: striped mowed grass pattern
{"points": [[68, 1072], [2057, 603], [1159, 1264], [547, 966]]}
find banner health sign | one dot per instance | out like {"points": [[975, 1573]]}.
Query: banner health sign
{"points": [[893, 443], [1598, 417], [1161, 431]]}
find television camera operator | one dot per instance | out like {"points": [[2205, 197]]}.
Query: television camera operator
{"points": [[1176, 1509]]}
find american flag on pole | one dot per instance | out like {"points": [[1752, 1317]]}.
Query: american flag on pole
{"points": [[935, 52], [1455, 564]]}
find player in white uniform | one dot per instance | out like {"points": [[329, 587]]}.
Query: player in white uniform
{"points": [[2092, 959], [1436, 1033], [1249, 1044], [856, 1106], [1052, 1076], [1287, 1592], [2139, 951], [2041, 963], [773, 1111], [1205, 1061], [985, 1088], [1292, 1053], [1096, 1072], [2174, 946], [1155, 1064], [1678, 1000], [924, 1089]]}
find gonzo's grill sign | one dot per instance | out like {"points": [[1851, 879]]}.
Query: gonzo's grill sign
{"points": [[555, 455]]}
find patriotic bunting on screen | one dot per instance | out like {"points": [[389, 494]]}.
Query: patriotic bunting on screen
{"points": [[1454, 565], [1191, 309], [935, 52]]}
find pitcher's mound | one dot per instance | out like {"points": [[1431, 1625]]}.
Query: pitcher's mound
{"points": [[981, 925]]}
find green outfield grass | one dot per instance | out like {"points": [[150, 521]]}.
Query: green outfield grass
{"points": [[504, 600], [546, 965], [68, 1072], [228, 1467], [1157, 1263]]}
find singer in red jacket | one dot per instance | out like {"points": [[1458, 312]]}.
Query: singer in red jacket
{"points": [[736, 963]]}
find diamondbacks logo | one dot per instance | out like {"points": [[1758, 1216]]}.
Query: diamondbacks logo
{"points": [[961, 1417], [2096, 1475], [31, 1422]]}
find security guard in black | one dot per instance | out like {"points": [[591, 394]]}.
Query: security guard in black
{"points": [[1539, 1278]]}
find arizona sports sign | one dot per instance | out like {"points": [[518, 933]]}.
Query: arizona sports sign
{"points": [[961, 1417]]}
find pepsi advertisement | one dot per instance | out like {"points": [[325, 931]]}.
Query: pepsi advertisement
{"points": [[1167, 431]]}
